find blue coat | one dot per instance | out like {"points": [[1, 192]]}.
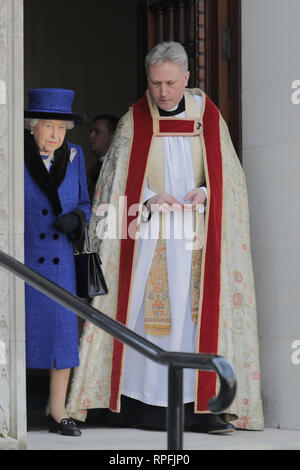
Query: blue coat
{"points": [[51, 329]]}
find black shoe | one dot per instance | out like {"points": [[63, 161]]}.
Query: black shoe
{"points": [[66, 427], [212, 424]]}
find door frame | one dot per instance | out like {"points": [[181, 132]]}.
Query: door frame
{"points": [[217, 50]]}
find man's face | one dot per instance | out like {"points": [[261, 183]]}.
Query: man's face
{"points": [[100, 138], [166, 84]]}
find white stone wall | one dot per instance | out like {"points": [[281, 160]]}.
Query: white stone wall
{"points": [[12, 331], [271, 160]]}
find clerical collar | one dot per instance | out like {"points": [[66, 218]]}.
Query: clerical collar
{"points": [[180, 108]]}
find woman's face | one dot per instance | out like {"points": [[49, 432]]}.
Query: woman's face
{"points": [[49, 135]]}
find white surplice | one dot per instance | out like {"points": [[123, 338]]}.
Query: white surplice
{"points": [[144, 379]]}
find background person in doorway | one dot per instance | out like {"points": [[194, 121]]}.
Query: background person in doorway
{"points": [[101, 134]]}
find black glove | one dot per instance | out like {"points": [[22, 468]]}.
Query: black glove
{"points": [[67, 223]]}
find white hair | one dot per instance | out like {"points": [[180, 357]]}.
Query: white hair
{"points": [[32, 122], [167, 52]]}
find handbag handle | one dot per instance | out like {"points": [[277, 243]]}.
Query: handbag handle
{"points": [[85, 248], [87, 240]]}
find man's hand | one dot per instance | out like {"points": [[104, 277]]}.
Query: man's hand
{"points": [[163, 202], [197, 197]]}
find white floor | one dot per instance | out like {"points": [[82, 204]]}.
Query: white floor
{"points": [[135, 439]]}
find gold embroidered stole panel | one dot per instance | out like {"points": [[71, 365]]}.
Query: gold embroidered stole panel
{"points": [[158, 317]]}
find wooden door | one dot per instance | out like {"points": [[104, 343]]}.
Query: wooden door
{"points": [[210, 32]]}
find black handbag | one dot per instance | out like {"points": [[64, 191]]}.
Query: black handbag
{"points": [[89, 276]]}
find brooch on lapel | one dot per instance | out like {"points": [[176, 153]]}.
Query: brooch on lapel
{"points": [[72, 154]]}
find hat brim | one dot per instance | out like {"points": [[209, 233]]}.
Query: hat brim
{"points": [[76, 118]]}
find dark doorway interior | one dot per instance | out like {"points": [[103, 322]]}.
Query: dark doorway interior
{"points": [[89, 46]]}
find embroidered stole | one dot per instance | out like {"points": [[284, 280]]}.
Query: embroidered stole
{"points": [[158, 319]]}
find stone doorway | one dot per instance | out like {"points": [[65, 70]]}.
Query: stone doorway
{"points": [[92, 48]]}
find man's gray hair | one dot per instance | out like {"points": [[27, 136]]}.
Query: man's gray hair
{"points": [[167, 52]]}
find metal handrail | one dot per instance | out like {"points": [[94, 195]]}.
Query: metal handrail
{"points": [[174, 360]]}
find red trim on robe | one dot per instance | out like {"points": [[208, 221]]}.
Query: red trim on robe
{"points": [[209, 329], [142, 132], [184, 126]]}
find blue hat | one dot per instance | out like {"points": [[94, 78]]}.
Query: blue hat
{"points": [[52, 103]]}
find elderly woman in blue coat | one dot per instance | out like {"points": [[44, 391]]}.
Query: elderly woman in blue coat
{"points": [[57, 208]]}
